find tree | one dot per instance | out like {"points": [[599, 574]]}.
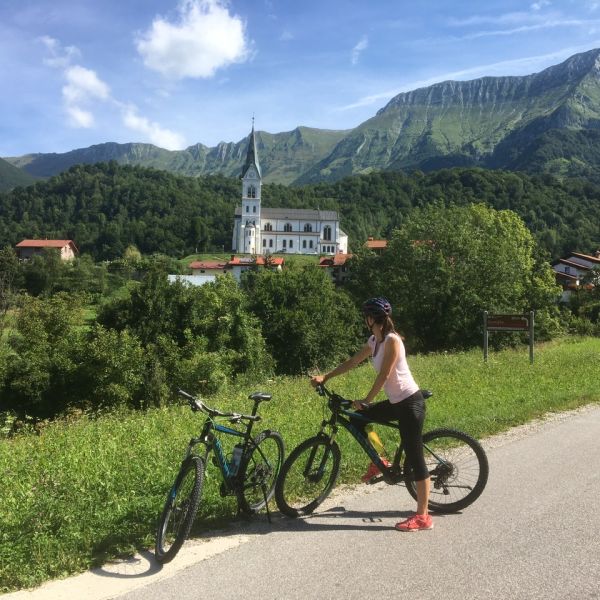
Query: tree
{"points": [[9, 281], [445, 266], [306, 322]]}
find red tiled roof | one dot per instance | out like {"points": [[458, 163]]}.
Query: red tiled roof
{"points": [[247, 261], [376, 244], [209, 264], [337, 260], [45, 244]]}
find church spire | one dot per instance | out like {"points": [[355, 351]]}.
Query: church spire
{"points": [[252, 154]]}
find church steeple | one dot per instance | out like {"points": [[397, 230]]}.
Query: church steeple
{"points": [[252, 154]]}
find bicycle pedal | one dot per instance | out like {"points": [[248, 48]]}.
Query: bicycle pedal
{"points": [[375, 479]]}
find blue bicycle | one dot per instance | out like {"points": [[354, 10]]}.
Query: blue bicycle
{"points": [[249, 473], [457, 464]]}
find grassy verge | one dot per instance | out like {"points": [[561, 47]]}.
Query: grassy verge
{"points": [[90, 489]]}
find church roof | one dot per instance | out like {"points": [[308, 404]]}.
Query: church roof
{"points": [[252, 154], [305, 214]]}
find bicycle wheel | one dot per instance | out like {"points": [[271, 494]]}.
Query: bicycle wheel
{"points": [[259, 471], [180, 510], [458, 468], [307, 476]]}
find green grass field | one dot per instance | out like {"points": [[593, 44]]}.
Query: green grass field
{"points": [[89, 489]]}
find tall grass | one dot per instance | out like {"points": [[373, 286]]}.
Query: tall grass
{"points": [[92, 488]]}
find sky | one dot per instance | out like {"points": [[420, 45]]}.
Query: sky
{"points": [[174, 73]]}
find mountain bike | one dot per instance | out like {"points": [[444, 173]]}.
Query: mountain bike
{"points": [[249, 473], [456, 462]]}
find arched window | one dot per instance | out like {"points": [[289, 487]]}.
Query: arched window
{"points": [[287, 227], [308, 227], [327, 233], [251, 191], [268, 227]]}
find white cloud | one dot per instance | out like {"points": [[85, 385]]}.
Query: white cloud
{"points": [[363, 44], [540, 4], [204, 39], [78, 117], [286, 36], [152, 131], [60, 57], [83, 86]]}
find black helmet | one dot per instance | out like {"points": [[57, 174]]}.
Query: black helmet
{"points": [[377, 307]]}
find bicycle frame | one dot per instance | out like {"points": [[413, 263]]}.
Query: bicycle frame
{"points": [[211, 442], [341, 416]]}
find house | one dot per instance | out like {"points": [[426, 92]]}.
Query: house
{"points": [[260, 230], [29, 248], [207, 271], [377, 246], [207, 267], [337, 266], [237, 265], [571, 270]]}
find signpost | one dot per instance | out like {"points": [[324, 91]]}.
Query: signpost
{"points": [[514, 322]]}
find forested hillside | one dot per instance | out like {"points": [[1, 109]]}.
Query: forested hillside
{"points": [[106, 207]]}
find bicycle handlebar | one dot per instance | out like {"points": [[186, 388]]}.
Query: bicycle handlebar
{"points": [[197, 405], [323, 391]]}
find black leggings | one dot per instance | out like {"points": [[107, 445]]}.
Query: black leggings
{"points": [[410, 414]]}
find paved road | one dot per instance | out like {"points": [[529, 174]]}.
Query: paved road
{"points": [[534, 533]]}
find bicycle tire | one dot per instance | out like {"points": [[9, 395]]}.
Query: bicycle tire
{"points": [[179, 510], [259, 471], [465, 469], [298, 474]]}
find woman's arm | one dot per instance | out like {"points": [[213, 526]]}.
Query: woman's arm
{"points": [[391, 356], [346, 366]]}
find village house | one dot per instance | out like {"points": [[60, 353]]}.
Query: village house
{"points": [[571, 270], [337, 266], [377, 246], [29, 248]]}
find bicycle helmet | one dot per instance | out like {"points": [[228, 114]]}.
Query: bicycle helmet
{"points": [[377, 307]]}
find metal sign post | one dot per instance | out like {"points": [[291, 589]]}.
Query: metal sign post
{"points": [[513, 322]]}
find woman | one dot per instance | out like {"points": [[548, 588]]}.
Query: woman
{"points": [[405, 402]]}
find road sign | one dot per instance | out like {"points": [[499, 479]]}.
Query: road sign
{"points": [[511, 322], [507, 323]]}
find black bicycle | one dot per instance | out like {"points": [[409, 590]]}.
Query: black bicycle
{"points": [[249, 473], [457, 464]]}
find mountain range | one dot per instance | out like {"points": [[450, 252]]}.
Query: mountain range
{"points": [[544, 122]]}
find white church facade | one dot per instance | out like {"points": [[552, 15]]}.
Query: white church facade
{"points": [[259, 230]]}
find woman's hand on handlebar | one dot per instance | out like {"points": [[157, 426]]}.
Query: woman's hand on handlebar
{"points": [[317, 380], [359, 405]]}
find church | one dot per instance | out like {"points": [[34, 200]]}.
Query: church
{"points": [[259, 230]]}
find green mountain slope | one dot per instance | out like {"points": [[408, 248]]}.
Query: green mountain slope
{"points": [[493, 122], [11, 176], [488, 122], [282, 156]]}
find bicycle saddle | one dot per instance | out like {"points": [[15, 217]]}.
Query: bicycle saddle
{"points": [[260, 396]]}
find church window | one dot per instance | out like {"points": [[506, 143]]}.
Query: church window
{"points": [[308, 227], [251, 191], [303, 243], [310, 244], [287, 227], [264, 243], [270, 243], [327, 233], [247, 208], [268, 227], [291, 243], [254, 209], [284, 243]]}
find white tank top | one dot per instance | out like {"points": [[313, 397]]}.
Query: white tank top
{"points": [[400, 383]]}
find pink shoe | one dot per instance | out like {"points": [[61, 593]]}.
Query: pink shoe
{"points": [[373, 470], [415, 523]]}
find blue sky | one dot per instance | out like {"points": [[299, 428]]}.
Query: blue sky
{"points": [[177, 72]]}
